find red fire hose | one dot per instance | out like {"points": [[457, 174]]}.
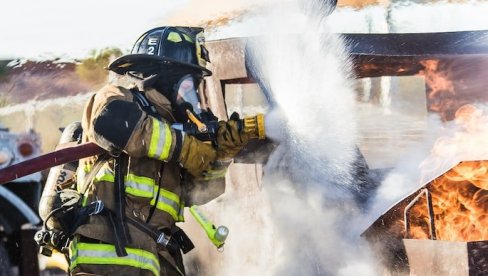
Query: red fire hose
{"points": [[64, 155]]}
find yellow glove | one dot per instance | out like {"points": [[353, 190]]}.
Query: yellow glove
{"points": [[196, 156], [230, 140]]}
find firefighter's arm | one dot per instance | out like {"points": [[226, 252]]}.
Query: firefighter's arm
{"points": [[118, 123], [229, 141]]}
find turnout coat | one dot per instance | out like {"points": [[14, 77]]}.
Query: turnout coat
{"points": [[156, 187]]}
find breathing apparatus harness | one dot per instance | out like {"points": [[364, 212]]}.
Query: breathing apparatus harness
{"points": [[71, 214]]}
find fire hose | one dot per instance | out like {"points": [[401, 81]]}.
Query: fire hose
{"points": [[205, 131]]}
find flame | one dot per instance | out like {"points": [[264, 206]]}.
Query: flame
{"points": [[440, 88], [459, 196], [460, 205]]}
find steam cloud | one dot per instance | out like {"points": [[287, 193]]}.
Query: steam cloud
{"points": [[309, 178], [302, 220]]}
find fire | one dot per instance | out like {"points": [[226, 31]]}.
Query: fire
{"points": [[438, 81], [459, 196], [440, 88], [460, 205]]}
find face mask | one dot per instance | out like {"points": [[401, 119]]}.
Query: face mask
{"points": [[187, 96]]}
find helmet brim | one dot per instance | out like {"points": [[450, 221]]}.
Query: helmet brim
{"points": [[150, 65]]}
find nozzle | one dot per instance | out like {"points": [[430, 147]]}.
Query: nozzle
{"points": [[216, 235], [254, 126]]}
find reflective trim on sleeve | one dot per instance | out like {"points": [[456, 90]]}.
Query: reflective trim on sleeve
{"points": [[88, 253], [169, 203], [161, 140]]}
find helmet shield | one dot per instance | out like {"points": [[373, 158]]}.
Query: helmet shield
{"points": [[166, 48]]}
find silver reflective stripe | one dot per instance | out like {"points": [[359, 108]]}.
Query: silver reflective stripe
{"points": [[139, 189], [105, 254], [104, 174], [162, 141], [139, 185], [171, 203]]}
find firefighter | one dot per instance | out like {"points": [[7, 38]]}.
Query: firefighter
{"points": [[146, 180]]}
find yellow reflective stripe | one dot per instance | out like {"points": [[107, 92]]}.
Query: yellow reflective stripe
{"points": [[169, 195], [153, 146], [85, 201], [160, 145], [134, 185], [168, 208], [167, 145], [170, 203], [187, 38], [174, 37], [139, 185], [86, 253], [181, 214], [104, 174], [87, 168]]}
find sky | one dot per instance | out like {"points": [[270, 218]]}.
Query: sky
{"points": [[31, 27], [56, 28]]}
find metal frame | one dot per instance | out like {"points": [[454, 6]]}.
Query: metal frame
{"points": [[406, 213], [20, 205]]}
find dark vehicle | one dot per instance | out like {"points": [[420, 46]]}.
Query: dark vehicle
{"points": [[19, 201]]}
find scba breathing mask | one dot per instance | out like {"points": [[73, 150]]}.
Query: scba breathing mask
{"points": [[187, 96], [191, 118]]}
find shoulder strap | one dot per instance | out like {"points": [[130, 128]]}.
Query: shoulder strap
{"points": [[121, 232], [89, 177], [144, 103]]}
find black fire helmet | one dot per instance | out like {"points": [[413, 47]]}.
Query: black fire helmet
{"points": [[163, 50]]}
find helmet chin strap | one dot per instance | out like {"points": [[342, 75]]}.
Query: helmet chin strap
{"points": [[150, 81]]}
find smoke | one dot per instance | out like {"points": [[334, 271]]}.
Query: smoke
{"points": [[301, 221], [439, 16], [309, 179], [44, 116], [404, 176], [304, 219], [307, 73]]}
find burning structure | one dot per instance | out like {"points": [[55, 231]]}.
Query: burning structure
{"points": [[424, 242], [441, 228]]}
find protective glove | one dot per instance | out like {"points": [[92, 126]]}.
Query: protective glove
{"points": [[196, 156], [230, 140]]}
